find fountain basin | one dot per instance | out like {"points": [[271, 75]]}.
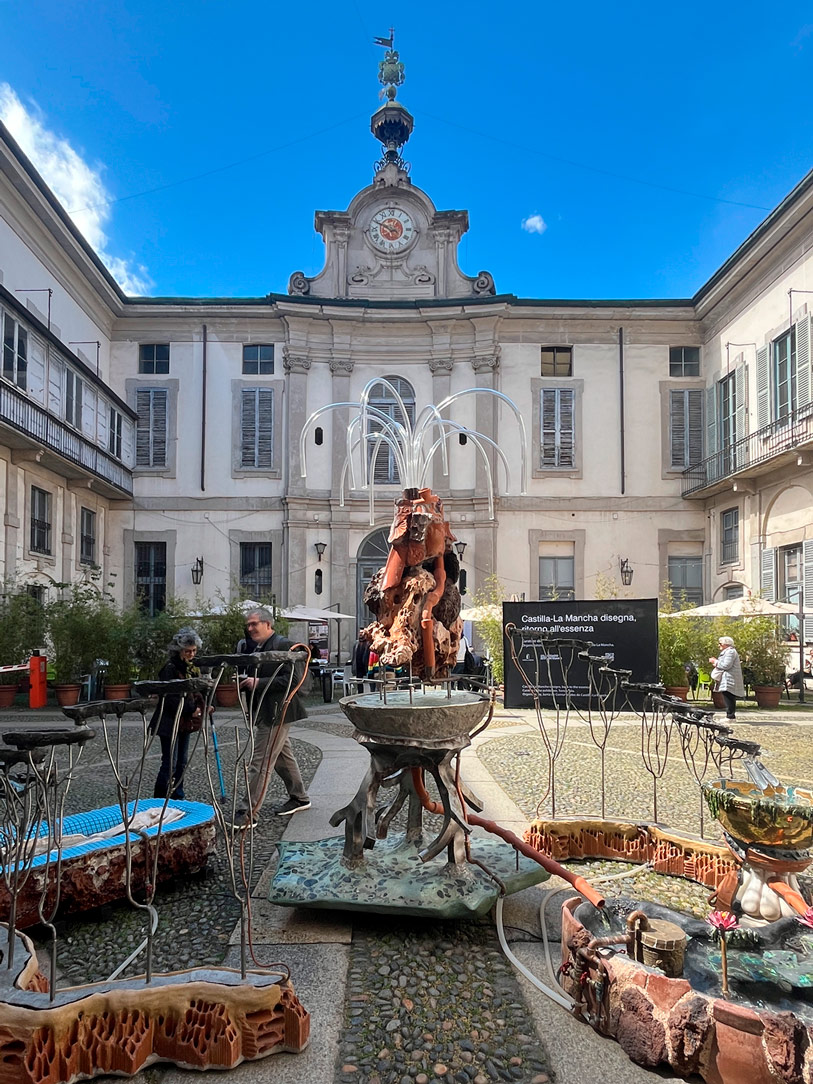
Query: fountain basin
{"points": [[776, 817], [428, 715]]}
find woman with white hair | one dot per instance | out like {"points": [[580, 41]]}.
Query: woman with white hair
{"points": [[727, 673]]}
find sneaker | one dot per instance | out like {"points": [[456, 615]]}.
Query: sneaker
{"points": [[293, 805], [241, 821]]}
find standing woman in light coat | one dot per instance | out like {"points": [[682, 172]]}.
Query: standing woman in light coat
{"points": [[727, 673]]}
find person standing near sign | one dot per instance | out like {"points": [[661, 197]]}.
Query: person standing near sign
{"points": [[727, 673]]}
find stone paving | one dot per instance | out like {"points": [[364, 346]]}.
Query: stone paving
{"points": [[408, 1002]]}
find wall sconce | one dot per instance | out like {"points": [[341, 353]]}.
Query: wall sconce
{"points": [[461, 549], [627, 571], [197, 571], [320, 548]]}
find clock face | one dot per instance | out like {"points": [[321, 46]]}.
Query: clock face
{"points": [[391, 229]]}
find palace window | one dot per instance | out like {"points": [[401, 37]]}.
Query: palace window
{"points": [[87, 536], [114, 431], [40, 520], [255, 570], [558, 443], [730, 536], [556, 361], [686, 580], [385, 471], [73, 399], [684, 361], [15, 352], [685, 428], [258, 359], [556, 579], [151, 576], [153, 358]]}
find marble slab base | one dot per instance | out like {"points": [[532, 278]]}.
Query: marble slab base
{"points": [[393, 880]]}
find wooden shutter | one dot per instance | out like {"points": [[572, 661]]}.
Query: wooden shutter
{"points": [[36, 369], [55, 371], [763, 388], [803, 363], [151, 432], [711, 425], [677, 428], [567, 434], [547, 414], [807, 565], [739, 395], [265, 427], [88, 410], [694, 422], [767, 580], [102, 420], [128, 433]]}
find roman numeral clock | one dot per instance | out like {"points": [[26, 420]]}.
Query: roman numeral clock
{"points": [[391, 230]]}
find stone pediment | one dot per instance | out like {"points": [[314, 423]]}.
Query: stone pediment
{"points": [[391, 244]]}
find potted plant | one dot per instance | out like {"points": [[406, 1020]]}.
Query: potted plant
{"points": [[765, 655], [74, 619], [222, 627], [675, 650], [116, 647]]}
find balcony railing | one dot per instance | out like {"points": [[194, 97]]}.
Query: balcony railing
{"points": [[782, 436], [18, 411]]}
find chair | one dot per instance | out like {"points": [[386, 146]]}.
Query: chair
{"points": [[703, 682], [350, 683]]}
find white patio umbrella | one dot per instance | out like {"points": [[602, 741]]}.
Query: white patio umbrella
{"points": [[482, 613], [744, 606], [311, 613]]}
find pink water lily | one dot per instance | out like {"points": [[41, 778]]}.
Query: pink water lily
{"points": [[725, 921], [807, 918]]}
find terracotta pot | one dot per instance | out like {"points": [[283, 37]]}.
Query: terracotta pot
{"points": [[768, 696], [117, 692], [680, 691], [7, 695], [67, 695], [226, 695]]}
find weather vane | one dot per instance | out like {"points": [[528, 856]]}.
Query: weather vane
{"points": [[390, 70]]}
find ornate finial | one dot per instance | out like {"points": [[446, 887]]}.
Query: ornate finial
{"points": [[390, 70], [392, 124]]}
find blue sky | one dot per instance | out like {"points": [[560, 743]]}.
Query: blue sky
{"points": [[643, 143]]}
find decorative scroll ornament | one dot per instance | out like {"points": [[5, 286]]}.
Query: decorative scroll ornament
{"points": [[484, 284], [294, 363], [423, 276], [441, 365], [360, 277], [299, 284], [341, 365], [488, 364]]}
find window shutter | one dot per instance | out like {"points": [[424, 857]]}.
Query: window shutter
{"points": [[547, 412], [763, 388], [128, 432], [567, 436], [36, 369], [265, 427], [767, 579], [248, 427], [677, 428], [695, 427], [55, 370], [803, 363], [88, 410], [739, 395], [711, 425], [807, 563], [384, 470], [151, 432], [102, 420]]}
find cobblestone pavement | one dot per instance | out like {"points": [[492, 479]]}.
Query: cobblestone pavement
{"points": [[424, 1003]]}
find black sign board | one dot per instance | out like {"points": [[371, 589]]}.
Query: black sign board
{"points": [[549, 636]]}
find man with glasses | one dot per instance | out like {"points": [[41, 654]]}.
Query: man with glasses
{"points": [[272, 743]]}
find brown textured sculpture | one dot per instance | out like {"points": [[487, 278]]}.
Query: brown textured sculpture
{"points": [[197, 1019], [415, 596]]}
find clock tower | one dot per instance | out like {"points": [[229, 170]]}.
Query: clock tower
{"points": [[391, 243]]}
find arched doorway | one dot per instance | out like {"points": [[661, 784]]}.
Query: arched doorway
{"points": [[372, 554]]}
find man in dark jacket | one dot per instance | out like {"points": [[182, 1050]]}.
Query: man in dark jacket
{"points": [[272, 743]]}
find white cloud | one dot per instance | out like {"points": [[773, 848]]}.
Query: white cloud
{"points": [[534, 223], [74, 183]]}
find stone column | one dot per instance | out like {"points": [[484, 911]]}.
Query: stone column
{"points": [[485, 422], [296, 367], [441, 388]]}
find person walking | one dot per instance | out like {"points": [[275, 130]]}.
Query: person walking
{"points": [[727, 672], [175, 744], [273, 751]]}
